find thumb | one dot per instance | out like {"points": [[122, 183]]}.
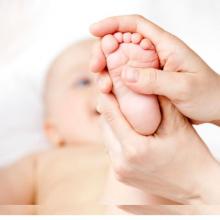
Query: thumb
{"points": [[153, 81], [172, 119], [109, 109], [97, 62]]}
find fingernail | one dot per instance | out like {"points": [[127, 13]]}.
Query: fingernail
{"points": [[130, 75]]}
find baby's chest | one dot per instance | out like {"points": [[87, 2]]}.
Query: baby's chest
{"points": [[64, 187]]}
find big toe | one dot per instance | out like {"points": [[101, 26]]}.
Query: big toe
{"points": [[109, 44]]}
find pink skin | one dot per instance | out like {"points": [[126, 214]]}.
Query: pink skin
{"points": [[119, 37], [131, 50], [136, 38]]}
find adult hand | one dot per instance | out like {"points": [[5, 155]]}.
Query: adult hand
{"points": [[191, 85], [172, 209], [174, 163]]}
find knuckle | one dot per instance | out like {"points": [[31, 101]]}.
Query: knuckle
{"points": [[135, 150], [122, 172], [131, 156], [131, 151]]}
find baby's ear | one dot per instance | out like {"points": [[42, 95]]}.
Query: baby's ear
{"points": [[52, 134]]}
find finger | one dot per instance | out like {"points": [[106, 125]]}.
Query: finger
{"points": [[174, 86], [98, 62], [109, 109], [128, 23], [172, 119], [105, 83], [166, 44], [110, 141]]}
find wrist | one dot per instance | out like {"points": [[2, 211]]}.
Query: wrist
{"points": [[205, 176], [199, 168], [209, 184]]}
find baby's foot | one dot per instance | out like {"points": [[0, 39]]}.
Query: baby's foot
{"points": [[131, 50]]}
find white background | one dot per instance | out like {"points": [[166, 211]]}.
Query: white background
{"points": [[33, 32]]}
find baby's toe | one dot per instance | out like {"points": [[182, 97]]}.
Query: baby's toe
{"points": [[119, 37], [136, 38], [146, 44], [127, 37], [109, 44]]}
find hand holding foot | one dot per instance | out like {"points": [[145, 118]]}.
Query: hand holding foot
{"points": [[191, 85], [132, 50], [174, 163]]}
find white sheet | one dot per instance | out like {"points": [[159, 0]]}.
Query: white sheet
{"points": [[27, 48]]}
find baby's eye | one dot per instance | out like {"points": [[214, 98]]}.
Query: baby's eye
{"points": [[82, 83]]}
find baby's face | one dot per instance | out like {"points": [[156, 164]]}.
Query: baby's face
{"points": [[73, 110]]}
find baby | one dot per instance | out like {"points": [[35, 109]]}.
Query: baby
{"points": [[70, 177]]}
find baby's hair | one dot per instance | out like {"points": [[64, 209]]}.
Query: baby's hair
{"points": [[53, 70]]}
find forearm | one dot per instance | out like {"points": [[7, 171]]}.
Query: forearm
{"points": [[174, 209], [210, 190], [202, 184]]}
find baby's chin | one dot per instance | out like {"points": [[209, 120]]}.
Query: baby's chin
{"points": [[93, 138]]}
